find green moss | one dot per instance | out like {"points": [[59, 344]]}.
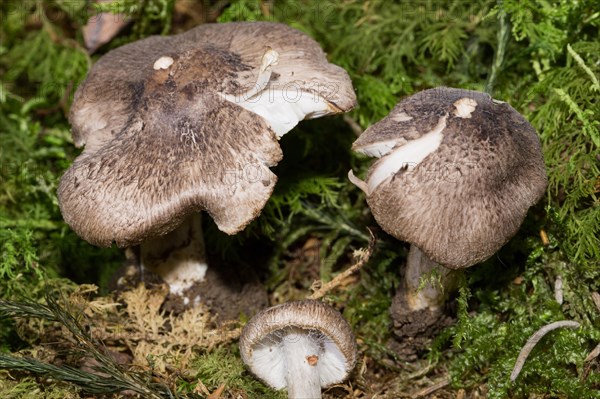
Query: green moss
{"points": [[508, 317], [28, 388], [224, 366]]}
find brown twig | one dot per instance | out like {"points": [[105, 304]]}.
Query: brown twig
{"points": [[363, 256], [558, 290], [354, 126], [431, 389], [596, 299], [533, 340], [266, 7], [544, 237], [217, 393], [215, 11], [201, 388], [593, 354], [596, 351]]}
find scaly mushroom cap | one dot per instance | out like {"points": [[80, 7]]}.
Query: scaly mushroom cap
{"points": [[163, 138], [457, 174], [263, 337]]}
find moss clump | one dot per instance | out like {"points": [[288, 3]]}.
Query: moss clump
{"points": [[225, 367], [29, 388]]}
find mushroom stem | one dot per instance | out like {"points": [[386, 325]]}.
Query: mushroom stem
{"points": [[301, 352], [178, 257], [417, 308], [433, 294]]}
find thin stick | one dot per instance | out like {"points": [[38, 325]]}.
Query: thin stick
{"points": [[593, 354], [431, 389], [596, 351], [217, 393], [354, 126], [363, 258], [558, 290], [596, 299], [533, 340], [421, 372]]}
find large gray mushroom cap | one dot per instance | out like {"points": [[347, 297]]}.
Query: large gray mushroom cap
{"points": [[264, 337], [163, 137], [456, 175]]}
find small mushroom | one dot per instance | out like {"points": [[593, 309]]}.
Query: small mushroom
{"points": [[456, 174], [300, 346], [178, 124]]}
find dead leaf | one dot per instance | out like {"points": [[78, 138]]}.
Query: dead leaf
{"points": [[217, 393], [102, 27]]}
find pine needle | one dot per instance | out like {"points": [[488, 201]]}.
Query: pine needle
{"points": [[89, 382], [110, 376]]}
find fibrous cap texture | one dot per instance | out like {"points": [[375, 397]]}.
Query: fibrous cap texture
{"points": [[473, 183]]}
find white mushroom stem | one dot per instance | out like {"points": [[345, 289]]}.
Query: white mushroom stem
{"points": [[300, 346], [178, 257], [433, 294], [301, 352]]}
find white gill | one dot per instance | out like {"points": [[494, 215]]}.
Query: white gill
{"points": [[281, 108], [407, 156]]}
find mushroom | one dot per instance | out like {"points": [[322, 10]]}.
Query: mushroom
{"points": [[179, 124], [300, 346], [456, 174]]}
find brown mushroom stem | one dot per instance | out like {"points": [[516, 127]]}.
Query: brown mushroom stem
{"points": [[434, 293], [178, 257], [303, 378], [418, 307]]}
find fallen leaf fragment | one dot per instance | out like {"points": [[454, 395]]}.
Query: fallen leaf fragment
{"points": [[102, 27]]}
